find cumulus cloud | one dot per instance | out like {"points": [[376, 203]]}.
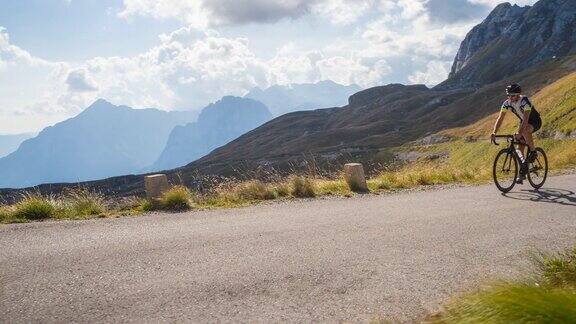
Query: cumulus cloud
{"points": [[213, 13], [79, 81], [236, 12], [210, 13], [393, 40], [451, 11], [11, 54], [434, 73], [343, 12]]}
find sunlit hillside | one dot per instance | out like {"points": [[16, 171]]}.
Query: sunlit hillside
{"points": [[556, 103]]}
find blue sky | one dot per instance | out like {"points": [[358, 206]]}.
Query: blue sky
{"points": [[58, 56]]}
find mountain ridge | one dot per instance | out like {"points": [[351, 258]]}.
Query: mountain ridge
{"points": [[103, 140], [218, 124], [283, 99], [512, 39]]}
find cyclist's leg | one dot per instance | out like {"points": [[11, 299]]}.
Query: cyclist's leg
{"points": [[527, 134], [522, 149]]}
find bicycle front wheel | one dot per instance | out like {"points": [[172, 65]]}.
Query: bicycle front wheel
{"points": [[505, 170], [538, 170]]}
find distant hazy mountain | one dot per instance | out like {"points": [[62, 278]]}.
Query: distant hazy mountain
{"points": [[218, 124], [296, 97], [102, 141], [9, 143]]}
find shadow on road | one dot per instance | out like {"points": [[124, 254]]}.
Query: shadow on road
{"points": [[547, 195]]}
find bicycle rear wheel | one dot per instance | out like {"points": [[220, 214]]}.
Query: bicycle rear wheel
{"points": [[538, 170], [505, 170]]}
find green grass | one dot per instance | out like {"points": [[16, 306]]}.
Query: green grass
{"points": [[557, 270], [550, 298], [5, 214], [555, 102], [84, 203], [255, 190], [558, 103], [332, 187], [513, 303], [178, 198], [462, 162], [467, 162], [33, 207]]}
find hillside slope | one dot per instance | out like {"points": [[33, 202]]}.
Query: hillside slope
{"points": [[375, 119], [556, 103]]}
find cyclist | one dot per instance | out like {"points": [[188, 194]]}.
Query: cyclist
{"points": [[530, 122]]}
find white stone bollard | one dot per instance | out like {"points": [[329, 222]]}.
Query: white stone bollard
{"points": [[155, 185], [354, 176]]}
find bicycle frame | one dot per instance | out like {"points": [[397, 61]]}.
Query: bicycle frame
{"points": [[513, 142]]}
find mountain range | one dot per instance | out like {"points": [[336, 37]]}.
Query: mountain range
{"points": [[282, 99], [107, 140], [104, 140], [218, 124], [534, 46]]}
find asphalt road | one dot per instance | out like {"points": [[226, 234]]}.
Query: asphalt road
{"points": [[391, 256]]}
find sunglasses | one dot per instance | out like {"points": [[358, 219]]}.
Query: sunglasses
{"points": [[513, 96]]}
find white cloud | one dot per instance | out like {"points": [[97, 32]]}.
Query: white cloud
{"points": [[395, 40], [210, 13], [213, 13], [79, 81], [434, 73], [10, 54], [343, 12]]}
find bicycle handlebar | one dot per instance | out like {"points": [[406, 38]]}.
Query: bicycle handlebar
{"points": [[501, 136]]}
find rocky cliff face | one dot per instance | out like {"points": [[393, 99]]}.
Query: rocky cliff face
{"points": [[512, 39], [499, 22]]}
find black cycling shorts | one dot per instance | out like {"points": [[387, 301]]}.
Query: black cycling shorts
{"points": [[536, 123]]}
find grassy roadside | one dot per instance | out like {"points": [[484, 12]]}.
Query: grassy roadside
{"points": [[549, 297], [446, 163]]}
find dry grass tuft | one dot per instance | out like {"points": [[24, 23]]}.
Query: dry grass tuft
{"points": [[255, 190], [303, 187], [178, 198], [34, 207], [83, 203]]}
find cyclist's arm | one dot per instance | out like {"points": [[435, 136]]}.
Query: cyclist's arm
{"points": [[527, 110], [499, 121]]}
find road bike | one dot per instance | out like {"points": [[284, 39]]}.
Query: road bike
{"points": [[508, 164]]}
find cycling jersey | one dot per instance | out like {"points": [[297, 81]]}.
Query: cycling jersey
{"points": [[521, 106]]}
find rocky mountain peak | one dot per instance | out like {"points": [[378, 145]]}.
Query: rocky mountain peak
{"points": [[504, 18], [511, 39], [100, 104]]}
